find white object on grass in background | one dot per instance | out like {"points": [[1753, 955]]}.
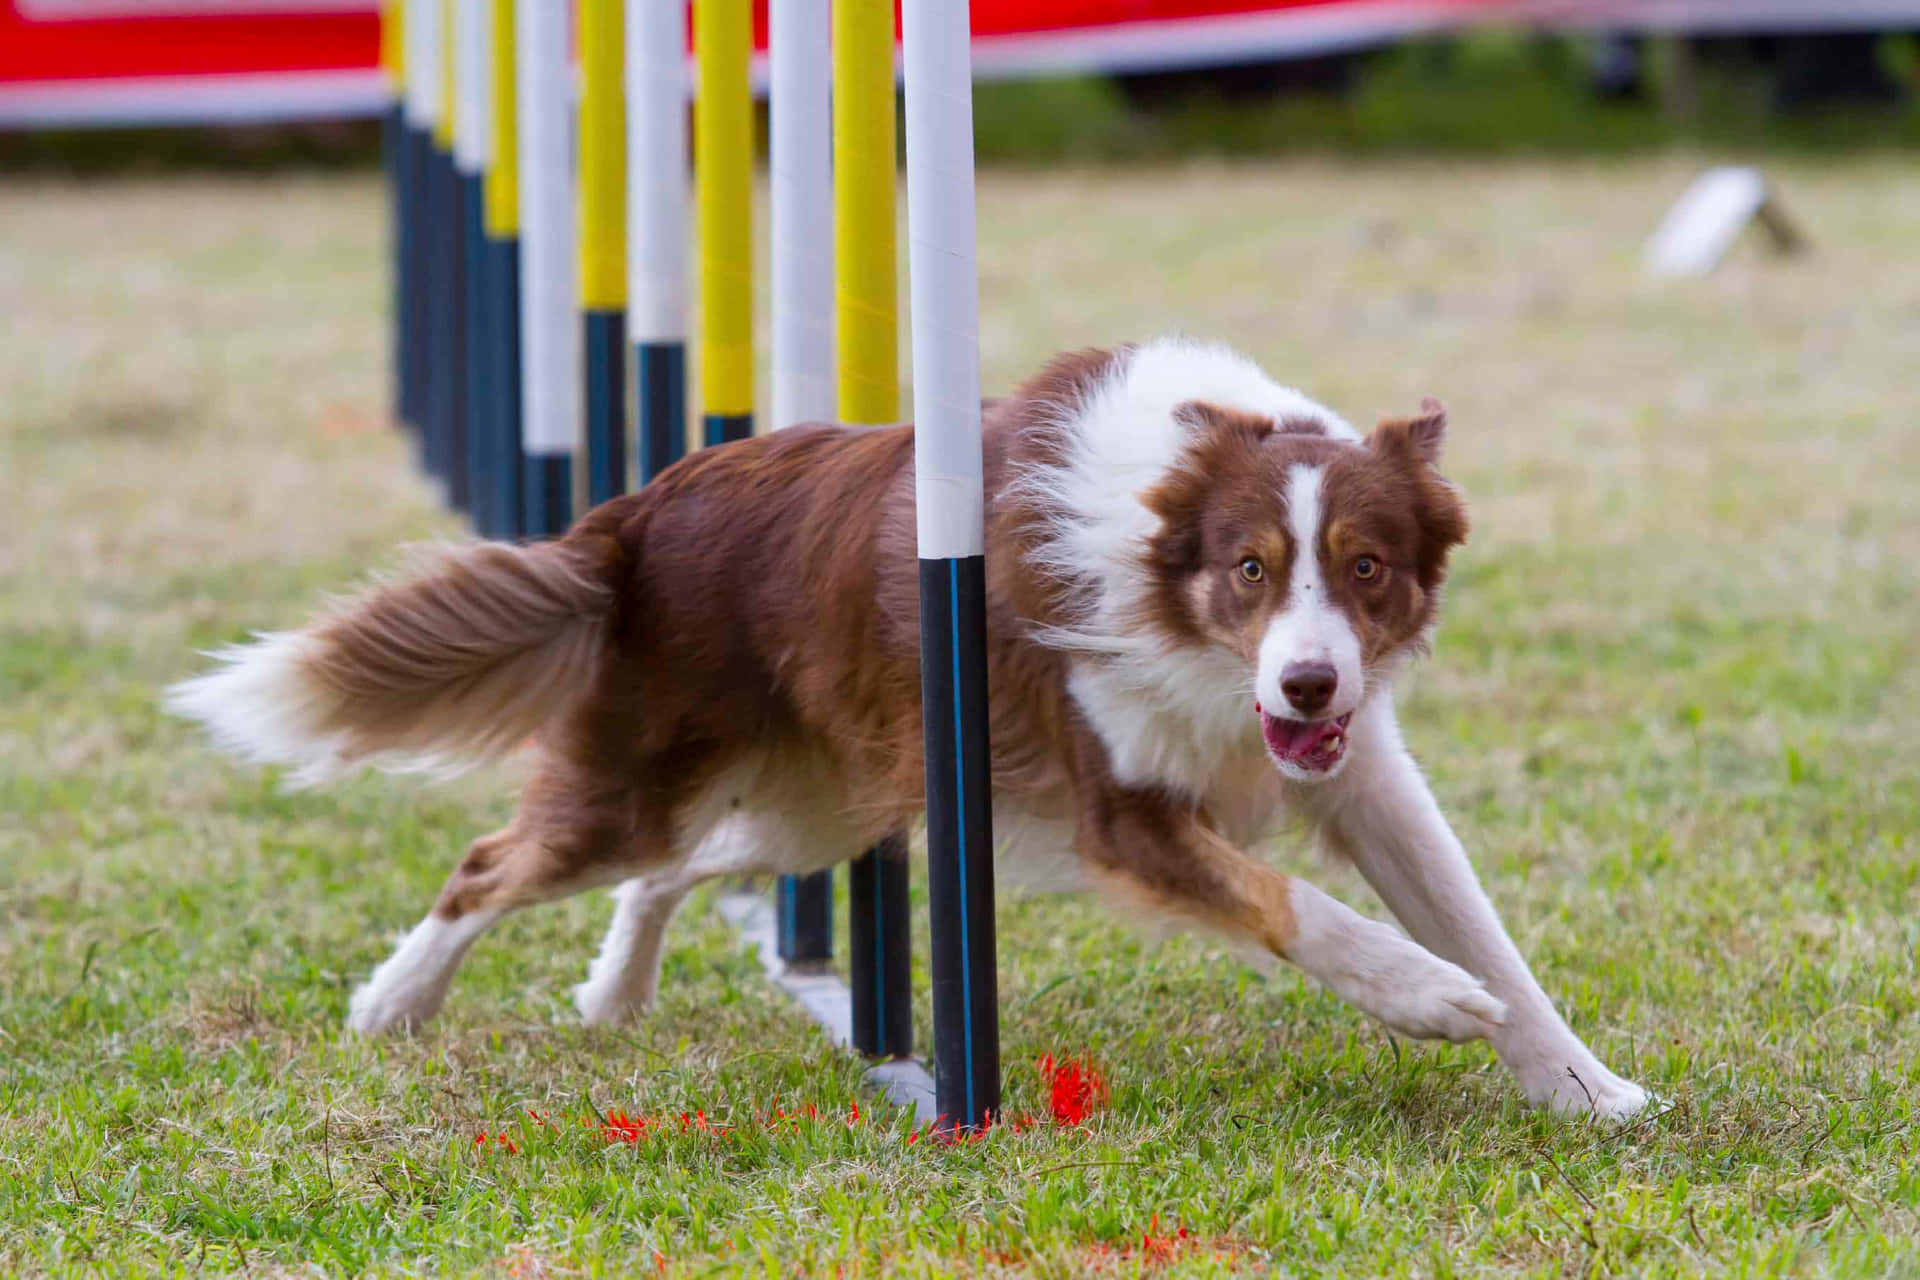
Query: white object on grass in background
{"points": [[1707, 218]]}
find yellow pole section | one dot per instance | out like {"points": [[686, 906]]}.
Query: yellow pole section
{"points": [[723, 190], [865, 292], [443, 127], [393, 43], [500, 194], [603, 157]]}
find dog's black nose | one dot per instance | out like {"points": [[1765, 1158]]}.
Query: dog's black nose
{"points": [[1309, 686]]}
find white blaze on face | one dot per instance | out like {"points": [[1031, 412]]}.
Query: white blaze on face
{"points": [[1309, 628]]}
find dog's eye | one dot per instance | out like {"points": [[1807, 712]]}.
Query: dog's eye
{"points": [[1366, 568], [1251, 570]]}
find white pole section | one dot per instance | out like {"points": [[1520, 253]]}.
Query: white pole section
{"points": [[472, 107], [945, 302], [549, 387], [657, 84], [422, 58], [801, 164]]}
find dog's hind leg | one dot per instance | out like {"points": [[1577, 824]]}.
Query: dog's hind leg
{"points": [[625, 975], [569, 835]]}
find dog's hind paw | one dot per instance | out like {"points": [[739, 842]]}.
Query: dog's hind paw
{"points": [[608, 1004]]}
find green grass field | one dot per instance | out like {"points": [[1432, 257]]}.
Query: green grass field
{"points": [[1674, 709]]}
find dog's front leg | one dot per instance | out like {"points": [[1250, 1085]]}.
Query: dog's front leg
{"points": [[1148, 852], [1380, 813]]}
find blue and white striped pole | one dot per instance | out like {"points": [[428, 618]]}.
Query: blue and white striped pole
{"points": [[549, 331], [950, 506]]}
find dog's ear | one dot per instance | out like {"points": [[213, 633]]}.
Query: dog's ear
{"points": [[1421, 436], [1199, 415]]}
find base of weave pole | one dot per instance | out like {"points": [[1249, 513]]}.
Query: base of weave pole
{"points": [[953, 701], [393, 159], [660, 392], [548, 485], [606, 400], [436, 243], [803, 911], [506, 461], [416, 150], [723, 428], [880, 949], [464, 194], [478, 392]]}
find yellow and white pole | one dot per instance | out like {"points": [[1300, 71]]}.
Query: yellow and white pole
{"points": [[723, 178], [603, 245], [866, 314], [500, 218], [402, 201]]}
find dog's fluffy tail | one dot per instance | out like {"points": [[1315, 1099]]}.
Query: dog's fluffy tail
{"points": [[455, 662]]}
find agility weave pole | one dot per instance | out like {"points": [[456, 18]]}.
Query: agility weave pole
{"points": [[502, 227], [800, 163], [950, 508], [394, 160], [603, 246], [447, 243], [723, 200], [471, 141], [656, 98], [867, 326], [549, 332]]}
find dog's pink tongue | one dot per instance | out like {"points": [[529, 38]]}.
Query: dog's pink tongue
{"points": [[1292, 739]]}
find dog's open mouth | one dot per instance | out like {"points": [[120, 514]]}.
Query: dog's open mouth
{"points": [[1312, 746]]}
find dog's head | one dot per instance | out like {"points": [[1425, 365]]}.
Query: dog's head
{"points": [[1315, 558]]}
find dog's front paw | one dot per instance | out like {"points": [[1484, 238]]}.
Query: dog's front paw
{"points": [[1420, 995], [1407, 987], [1579, 1090]]}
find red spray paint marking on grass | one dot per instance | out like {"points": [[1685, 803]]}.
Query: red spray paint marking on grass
{"points": [[1074, 1091]]}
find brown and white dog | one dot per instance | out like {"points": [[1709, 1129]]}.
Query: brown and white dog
{"points": [[1201, 585]]}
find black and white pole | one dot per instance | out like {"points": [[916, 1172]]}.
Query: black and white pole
{"points": [[800, 166], [657, 84], [549, 331], [950, 504]]}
